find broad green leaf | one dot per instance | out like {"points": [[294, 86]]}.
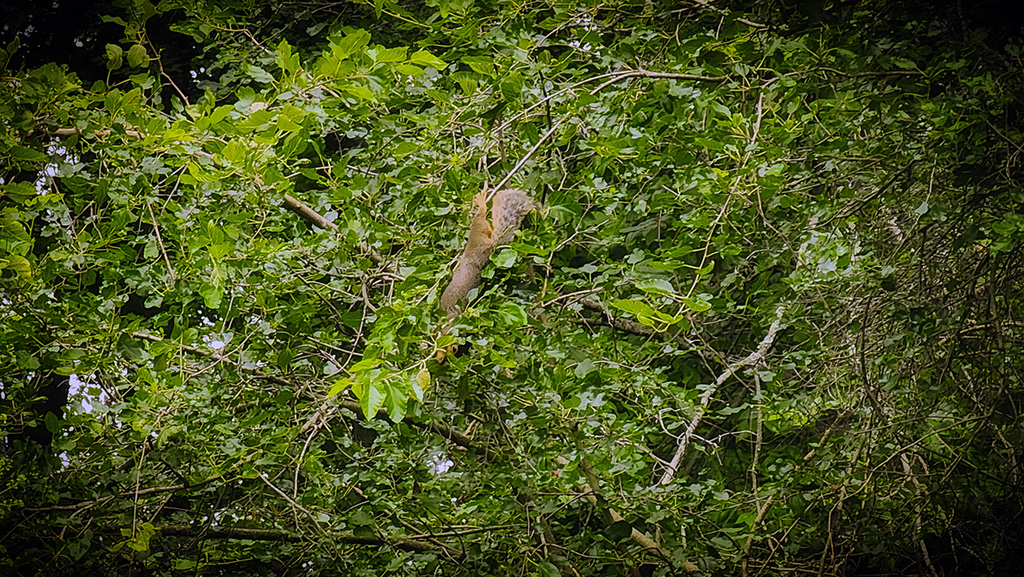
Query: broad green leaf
{"points": [[408, 69], [114, 52], [350, 44], [420, 384], [426, 59], [480, 64], [137, 56], [27, 154], [697, 305], [19, 192], [220, 113], [373, 398], [512, 88], [390, 55], [396, 401], [360, 92], [339, 386], [259, 74], [656, 286], [512, 314]]}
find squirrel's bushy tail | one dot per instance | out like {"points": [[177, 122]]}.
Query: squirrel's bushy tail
{"points": [[508, 208]]}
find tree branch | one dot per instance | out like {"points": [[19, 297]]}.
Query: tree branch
{"points": [[612, 516], [349, 537], [628, 326], [705, 398], [316, 219]]}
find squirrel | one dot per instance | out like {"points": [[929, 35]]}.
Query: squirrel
{"points": [[508, 208]]}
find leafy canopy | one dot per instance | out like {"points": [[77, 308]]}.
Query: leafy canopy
{"points": [[765, 321]]}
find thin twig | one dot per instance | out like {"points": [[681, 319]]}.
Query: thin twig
{"points": [[160, 240], [307, 512], [160, 65], [523, 160]]}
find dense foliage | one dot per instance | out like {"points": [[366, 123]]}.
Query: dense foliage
{"points": [[766, 322]]}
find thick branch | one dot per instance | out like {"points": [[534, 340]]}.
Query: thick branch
{"points": [[612, 516], [100, 133]]}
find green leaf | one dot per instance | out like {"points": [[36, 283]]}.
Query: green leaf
{"points": [[286, 124], [480, 65], [28, 154], [697, 305], [506, 258], [396, 401], [19, 192], [390, 55], [52, 423], [408, 70], [212, 294], [137, 56], [234, 152], [420, 384], [647, 315], [339, 386], [114, 52], [467, 82], [220, 113], [405, 148], [634, 307], [200, 174], [584, 368], [656, 286], [512, 314], [373, 399], [512, 88], [17, 263], [350, 44], [258, 74], [426, 59], [360, 92], [548, 569], [13, 45]]}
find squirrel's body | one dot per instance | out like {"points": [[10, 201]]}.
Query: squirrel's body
{"points": [[508, 208]]}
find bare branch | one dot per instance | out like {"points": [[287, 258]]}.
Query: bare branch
{"points": [[316, 219], [705, 398]]}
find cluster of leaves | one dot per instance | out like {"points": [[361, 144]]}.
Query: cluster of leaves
{"points": [[765, 321]]}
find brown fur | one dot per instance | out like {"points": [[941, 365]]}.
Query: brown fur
{"points": [[507, 211]]}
